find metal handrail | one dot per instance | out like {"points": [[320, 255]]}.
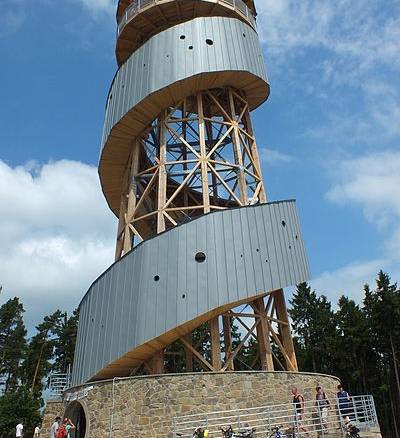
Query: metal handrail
{"points": [[59, 383], [138, 5], [315, 418]]}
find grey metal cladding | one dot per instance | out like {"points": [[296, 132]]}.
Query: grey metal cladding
{"points": [[249, 250], [166, 59]]}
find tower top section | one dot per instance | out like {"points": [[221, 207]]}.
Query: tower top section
{"points": [[139, 20]]}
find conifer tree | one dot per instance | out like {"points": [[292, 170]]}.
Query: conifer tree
{"points": [[12, 343]]}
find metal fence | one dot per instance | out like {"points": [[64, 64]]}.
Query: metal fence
{"points": [[138, 5], [319, 419], [58, 383]]}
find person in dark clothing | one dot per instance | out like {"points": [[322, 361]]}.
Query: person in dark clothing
{"points": [[298, 403], [343, 402]]}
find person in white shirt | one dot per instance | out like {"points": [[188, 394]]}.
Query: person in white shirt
{"points": [[37, 432], [19, 430], [54, 427]]}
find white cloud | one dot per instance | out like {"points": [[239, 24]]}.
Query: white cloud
{"points": [[349, 280], [371, 182], [12, 17], [99, 6], [368, 32], [272, 156], [56, 234]]}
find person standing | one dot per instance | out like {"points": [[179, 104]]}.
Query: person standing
{"points": [[69, 425], [343, 402], [54, 427], [19, 430], [322, 404], [36, 432], [298, 404]]}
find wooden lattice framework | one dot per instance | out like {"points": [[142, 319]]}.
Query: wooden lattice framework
{"points": [[196, 157]]}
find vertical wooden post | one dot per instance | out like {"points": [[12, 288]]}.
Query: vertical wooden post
{"points": [[284, 329], [226, 322], [188, 354], [203, 154], [264, 345], [215, 344], [256, 159], [156, 363], [238, 152], [162, 175]]}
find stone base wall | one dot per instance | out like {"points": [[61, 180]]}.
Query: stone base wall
{"points": [[54, 408], [144, 407]]}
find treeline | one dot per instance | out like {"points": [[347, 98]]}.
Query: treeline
{"points": [[359, 343], [26, 363]]}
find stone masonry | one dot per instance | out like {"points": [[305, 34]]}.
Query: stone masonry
{"points": [[144, 407]]}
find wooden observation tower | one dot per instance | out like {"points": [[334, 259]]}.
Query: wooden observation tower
{"points": [[198, 243]]}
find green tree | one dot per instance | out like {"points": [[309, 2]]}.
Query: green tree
{"points": [[40, 353], [12, 343], [18, 406], [314, 325], [64, 345]]}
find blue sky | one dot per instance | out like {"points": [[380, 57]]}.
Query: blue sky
{"points": [[329, 136]]}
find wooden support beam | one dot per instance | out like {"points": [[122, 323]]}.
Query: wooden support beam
{"points": [[188, 354], [156, 364], [240, 346], [284, 330], [198, 355], [203, 154], [162, 175], [215, 344], [226, 322], [264, 345]]}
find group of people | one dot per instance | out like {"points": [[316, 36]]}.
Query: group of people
{"points": [[322, 405], [19, 430], [61, 429]]}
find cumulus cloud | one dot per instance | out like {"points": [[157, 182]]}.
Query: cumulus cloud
{"points": [[99, 6], [272, 156], [349, 49], [372, 182], [349, 280], [368, 32], [56, 234]]}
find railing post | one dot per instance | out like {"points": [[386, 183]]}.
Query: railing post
{"points": [[207, 421], [238, 422], [339, 414], [174, 426], [320, 419], [374, 411], [355, 410], [269, 419]]}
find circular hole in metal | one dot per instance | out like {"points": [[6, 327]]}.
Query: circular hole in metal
{"points": [[144, 65], [183, 296], [190, 47], [257, 250], [244, 35], [156, 278], [241, 255], [297, 236], [209, 42], [290, 246], [200, 257], [266, 261], [283, 224], [182, 37]]}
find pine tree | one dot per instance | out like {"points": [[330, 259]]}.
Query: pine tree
{"points": [[12, 343], [314, 325]]}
